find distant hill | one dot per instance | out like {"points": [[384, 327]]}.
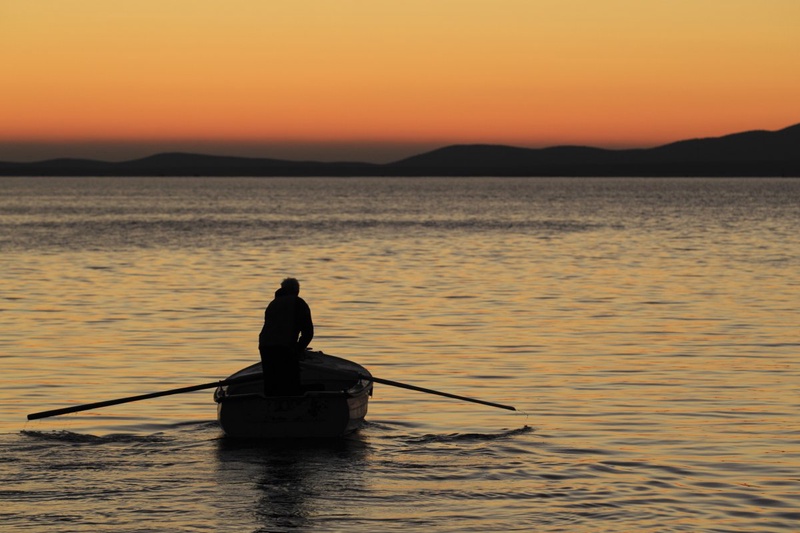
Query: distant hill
{"points": [[752, 153], [180, 164]]}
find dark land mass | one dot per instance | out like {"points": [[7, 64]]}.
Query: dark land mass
{"points": [[752, 153]]}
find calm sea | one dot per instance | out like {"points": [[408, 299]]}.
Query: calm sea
{"points": [[645, 329]]}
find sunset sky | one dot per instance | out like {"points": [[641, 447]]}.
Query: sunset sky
{"points": [[378, 80]]}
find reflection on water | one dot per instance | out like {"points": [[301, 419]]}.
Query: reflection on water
{"points": [[645, 329], [298, 483]]}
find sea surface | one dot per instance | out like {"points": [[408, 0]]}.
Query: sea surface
{"points": [[645, 329]]}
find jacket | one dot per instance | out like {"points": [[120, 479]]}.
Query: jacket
{"points": [[287, 322]]}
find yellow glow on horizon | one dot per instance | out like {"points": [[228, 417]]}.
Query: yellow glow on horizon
{"points": [[513, 71]]}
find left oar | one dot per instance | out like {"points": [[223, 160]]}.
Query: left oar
{"points": [[107, 403]]}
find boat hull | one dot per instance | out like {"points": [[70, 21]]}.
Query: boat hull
{"points": [[334, 404]]}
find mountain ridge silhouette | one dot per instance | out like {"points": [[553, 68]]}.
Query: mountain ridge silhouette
{"points": [[748, 153]]}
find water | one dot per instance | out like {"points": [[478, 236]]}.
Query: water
{"points": [[645, 329]]}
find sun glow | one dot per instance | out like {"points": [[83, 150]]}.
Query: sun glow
{"points": [[529, 73]]}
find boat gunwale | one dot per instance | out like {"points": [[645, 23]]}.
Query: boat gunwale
{"points": [[363, 386], [363, 382]]}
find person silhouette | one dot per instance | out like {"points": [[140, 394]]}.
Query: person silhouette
{"points": [[288, 329]]}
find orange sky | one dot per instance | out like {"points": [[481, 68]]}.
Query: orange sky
{"points": [[374, 79]]}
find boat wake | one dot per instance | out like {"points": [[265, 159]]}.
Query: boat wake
{"points": [[71, 437], [470, 437]]}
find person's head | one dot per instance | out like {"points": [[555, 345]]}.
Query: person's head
{"points": [[291, 285]]}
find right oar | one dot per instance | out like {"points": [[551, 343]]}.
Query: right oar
{"points": [[436, 392], [397, 384]]}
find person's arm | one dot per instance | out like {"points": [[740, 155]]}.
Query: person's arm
{"points": [[306, 328]]}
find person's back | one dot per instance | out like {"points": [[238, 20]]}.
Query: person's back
{"points": [[288, 329], [287, 320]]}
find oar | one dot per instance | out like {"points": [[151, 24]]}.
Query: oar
{"points": [[391, 383], [438, 393], [181, 390]]}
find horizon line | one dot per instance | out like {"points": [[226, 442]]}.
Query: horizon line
{"points": [[327, 151]]}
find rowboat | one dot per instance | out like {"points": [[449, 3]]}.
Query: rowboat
{"points": [[334, 400], [333, 404]]}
